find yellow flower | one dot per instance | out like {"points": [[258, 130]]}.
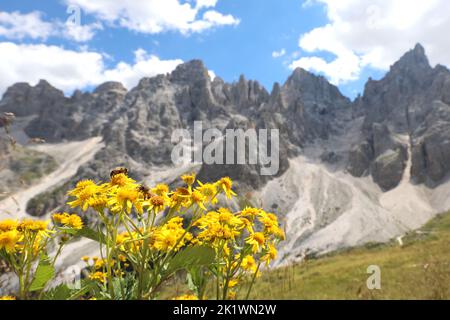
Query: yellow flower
{"points": [[85, 259], [248, 263], [165, 240], [186, 297], [181, 197], [161, 190], [72, 221], [98, 276], [123, 199], [121, 180], [198, 198], [8, 240], [226, 217], [189, 179], [225, 184], [209, 190], [270, 255], [256, 240], [233, 283], [8, 225], [34, 226], [84, 191], [220, 225], [7, 298], [231, 295], [84, 183], [158, 203], [248, 225], [250, 212], [170, 236], [75, 222], [175, 223], [98, 202]]}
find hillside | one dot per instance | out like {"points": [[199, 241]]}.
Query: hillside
{"points": [[417, 270]]}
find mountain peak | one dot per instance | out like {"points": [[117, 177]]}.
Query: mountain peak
{"points": [[187, 72], [301, 76], [413, 59], [111, 86]]}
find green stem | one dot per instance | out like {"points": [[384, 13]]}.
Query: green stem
{"points": [[253, 281]]}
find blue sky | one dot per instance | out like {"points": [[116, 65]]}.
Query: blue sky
{"points": [[243, 37]]}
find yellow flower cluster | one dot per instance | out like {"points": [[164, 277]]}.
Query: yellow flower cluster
{"points": [[72, 221], [242, 241], [170, 236], [23, 243], [142, 231], [27, 234], [123, 194]]}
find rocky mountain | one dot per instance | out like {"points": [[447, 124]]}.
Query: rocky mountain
{"points": [[413, 99], [340, 163]]}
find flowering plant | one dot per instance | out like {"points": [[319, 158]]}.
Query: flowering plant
{"points": [[147, 235]]}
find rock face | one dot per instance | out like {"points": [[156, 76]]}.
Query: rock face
{"points": [[24, 100], [360, 158], [412, 100], [387, 169]]}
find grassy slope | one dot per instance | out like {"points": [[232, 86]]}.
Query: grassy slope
{"points": [[418, 270], [23, 168]]}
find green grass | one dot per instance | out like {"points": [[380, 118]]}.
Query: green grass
{"points": [[23, 168], [418, 270]]}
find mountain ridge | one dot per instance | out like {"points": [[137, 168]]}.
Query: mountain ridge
{"points": [[341, 161]]}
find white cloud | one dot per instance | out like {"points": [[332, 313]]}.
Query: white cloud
{"points": [[368, 33], [155, 16], [278, 54], [69, 70], [145, 65], [206, 3], [80, 33], [14, 25], [17, 26]]}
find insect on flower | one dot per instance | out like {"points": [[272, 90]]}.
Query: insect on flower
{"points": [[119, 170]]}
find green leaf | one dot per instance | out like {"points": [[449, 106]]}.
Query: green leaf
{"points": [[85, 288], [44, 273], [61, 292], [88, 233], [191, 256]]}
